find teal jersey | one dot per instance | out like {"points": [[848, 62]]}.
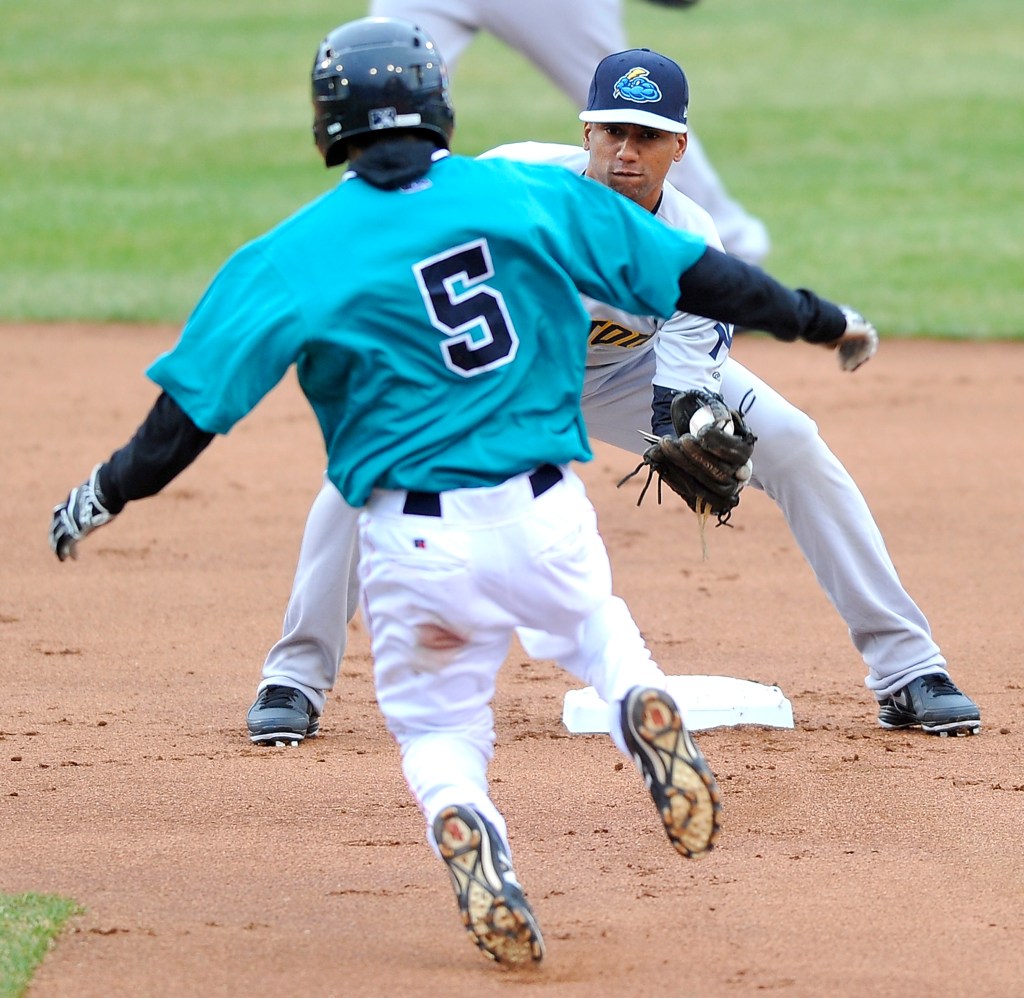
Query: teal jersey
{"points": [[437, 330]]}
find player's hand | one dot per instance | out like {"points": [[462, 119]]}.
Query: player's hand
{"points": [[77, 517], [858, 343]]}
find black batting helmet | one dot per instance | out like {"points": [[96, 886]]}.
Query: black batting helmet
{"points": [[374, 74]]}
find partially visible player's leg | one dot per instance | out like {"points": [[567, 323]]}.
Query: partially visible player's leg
{"points": [[608, 652], [603, 648], [450, 23], [303, 665], [433, 601], [564, 39], [445, 762], [831, 522], [837, 533]]}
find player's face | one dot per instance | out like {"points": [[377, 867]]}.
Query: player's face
{"points": [[632, 159]]}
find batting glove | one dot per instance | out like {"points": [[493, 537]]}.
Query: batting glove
{"points": [[78, 516], [858, 343]]}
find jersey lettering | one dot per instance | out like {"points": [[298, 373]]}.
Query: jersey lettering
{"points": [[481, 333], [724, 331], [604, 332]]}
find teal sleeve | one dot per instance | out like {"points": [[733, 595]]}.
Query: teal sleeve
{"points": [[618, 252], [236, 346]]}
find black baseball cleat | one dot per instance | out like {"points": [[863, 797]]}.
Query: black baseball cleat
{"points": [[676, 773], [494, 910], [932, 703], [282, 715]]}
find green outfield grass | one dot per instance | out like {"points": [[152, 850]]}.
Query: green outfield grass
{"points": [[28, 925], [881, 141]]}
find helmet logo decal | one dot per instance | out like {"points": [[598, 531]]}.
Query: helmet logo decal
{"points": [[637, 86], [388, 117], [382, 117]]}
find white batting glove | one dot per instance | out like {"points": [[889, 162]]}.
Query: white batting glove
{"points": [[77, 517], [858, 344]]}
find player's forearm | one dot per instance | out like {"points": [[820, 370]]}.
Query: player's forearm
{"points": [[722, 287], [164, 445]]}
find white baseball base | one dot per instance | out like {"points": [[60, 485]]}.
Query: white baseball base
{"points": [[705, 701]]}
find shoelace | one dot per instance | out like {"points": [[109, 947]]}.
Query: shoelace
{"points": [[278, 696], [939, 685]]}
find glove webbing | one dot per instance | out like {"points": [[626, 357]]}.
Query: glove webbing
{"points": [[722, 518]]}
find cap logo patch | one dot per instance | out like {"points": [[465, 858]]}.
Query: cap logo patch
{"points": [[637, 86]]}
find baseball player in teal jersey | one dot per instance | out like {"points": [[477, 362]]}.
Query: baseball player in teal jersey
{"points": [[444, 362], [629, 145]]}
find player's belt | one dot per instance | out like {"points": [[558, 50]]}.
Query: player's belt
{"points": [[429, 503]]}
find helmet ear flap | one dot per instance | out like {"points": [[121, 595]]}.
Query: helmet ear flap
{"points": [[378, 74]]}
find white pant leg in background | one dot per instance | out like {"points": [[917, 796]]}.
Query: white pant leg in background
{"points": [[833, 525], [442, 597], [565, 40], [450, 23], [324, 598]]}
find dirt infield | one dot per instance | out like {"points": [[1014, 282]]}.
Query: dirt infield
{"points": [[853, 861]]}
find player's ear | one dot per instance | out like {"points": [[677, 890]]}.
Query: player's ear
{"points": [[586, 135], [680, 146]]}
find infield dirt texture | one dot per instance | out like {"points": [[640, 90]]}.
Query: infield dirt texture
{"points": [[853, 861], [881, 143]]}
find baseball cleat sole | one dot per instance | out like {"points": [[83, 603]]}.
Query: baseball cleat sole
{"points": [[954, 730], [677, 775], [494, 911], [278, 739]]}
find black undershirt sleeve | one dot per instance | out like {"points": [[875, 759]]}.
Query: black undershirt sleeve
{"points": [[661, 411], [724, 288], [164, 445]]}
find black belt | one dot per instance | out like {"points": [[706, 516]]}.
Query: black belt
{"points": [[429, 503]]}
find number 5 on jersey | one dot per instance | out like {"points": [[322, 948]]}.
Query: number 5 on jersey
{"points": [[481, 335]]}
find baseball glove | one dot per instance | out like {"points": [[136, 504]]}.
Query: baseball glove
{"points": [[707, 461]]}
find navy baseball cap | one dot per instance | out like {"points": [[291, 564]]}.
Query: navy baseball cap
{"points": [[639, 87]]}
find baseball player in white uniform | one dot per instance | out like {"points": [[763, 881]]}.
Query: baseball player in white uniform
{"points": [[628, 146], [565, 39]]}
